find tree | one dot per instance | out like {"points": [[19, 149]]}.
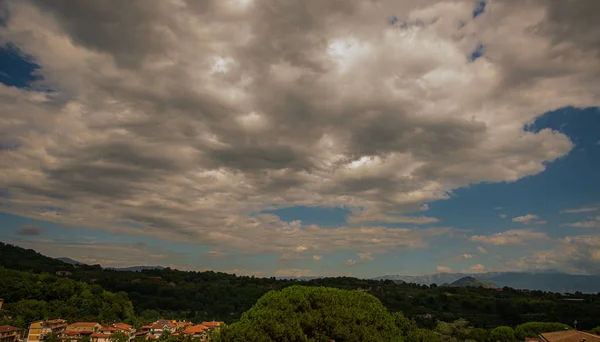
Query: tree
{"points": [[502, 334], [52, 337], [533, 329], [301, 313], [118, 336], [423, 335], [165, 336]]}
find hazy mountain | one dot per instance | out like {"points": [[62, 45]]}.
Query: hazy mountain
{"points": [[470, 281], [439, 278], [69, 261], [298, 278], [134, 268], [549, 280]]}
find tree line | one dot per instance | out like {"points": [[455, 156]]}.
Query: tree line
{"points": [[207, 296]]}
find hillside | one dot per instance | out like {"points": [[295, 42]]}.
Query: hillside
{"points": [[69, 261], [211, 295], [29, 296], [473, 282], [553, 281]]}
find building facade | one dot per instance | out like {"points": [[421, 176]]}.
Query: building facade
{"points": [[38, 330], [10, 334]]}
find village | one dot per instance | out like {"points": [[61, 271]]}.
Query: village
{"points": [[96, 332]]}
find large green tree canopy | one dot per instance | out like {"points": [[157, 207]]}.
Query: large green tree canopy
{"points": [[301, 313]]}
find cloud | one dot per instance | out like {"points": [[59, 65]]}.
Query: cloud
{"points": [[317, 257], [214, 254], [444, 269], [362, 257], [497, 208], [580, 210], [365, 256], [478, 268], [511, 237], [461, 257], [378, 217], [294, 272], [29, 230], [526, 219], [573, 254], [591, 223], [482, 250], [502, 216], [187, 118]]}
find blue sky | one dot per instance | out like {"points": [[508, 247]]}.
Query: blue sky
{"points": [[393, 149]]}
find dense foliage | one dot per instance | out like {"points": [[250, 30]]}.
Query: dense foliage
{"points": [[201, 296], [30, 296], [533, 329], [300, 313]]}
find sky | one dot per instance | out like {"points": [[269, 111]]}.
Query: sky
{"points": [[304, 137]]}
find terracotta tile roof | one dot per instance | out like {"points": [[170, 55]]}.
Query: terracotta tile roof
{"points": [[195, 329], [109, 329], [72, 333], [157, 326], [56, 321], [97, 335], [146, 327], [570, 336], [212, 324], [8, 328], [123, 326], [83, 324]]}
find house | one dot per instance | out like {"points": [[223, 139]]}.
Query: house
{"points": [[145, 329], [158, 328], [569, 336], [127, 329], [196, 331], [100, 337], [77, 331], [213, 325], [108, 330], [9, 333], [63, 273], [84, 327], [124, 327], [38, 330]]}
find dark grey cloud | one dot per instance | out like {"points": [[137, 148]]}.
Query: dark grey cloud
{"points": [[189, 117], [29, 230]]}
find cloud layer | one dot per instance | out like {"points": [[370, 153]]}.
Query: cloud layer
{"points": [[182, 120]]}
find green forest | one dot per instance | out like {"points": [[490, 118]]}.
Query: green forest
{"points": [[32, 291]]}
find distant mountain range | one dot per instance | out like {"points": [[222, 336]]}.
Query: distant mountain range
{"points": [[69, 261], [130, 269], [552, 280], [134, 268], [473, 282]]}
